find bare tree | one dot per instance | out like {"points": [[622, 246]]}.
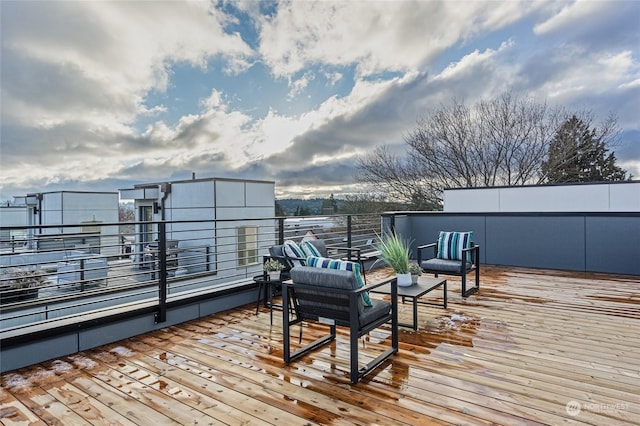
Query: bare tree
{"points": [[502, 141]]}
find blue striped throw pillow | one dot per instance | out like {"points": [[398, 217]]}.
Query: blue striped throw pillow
{"points": [[344, 265], [450, 245], [293, 250], [309, 249]]}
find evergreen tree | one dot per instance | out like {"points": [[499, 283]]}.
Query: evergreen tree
{"points": [[580, 154]]}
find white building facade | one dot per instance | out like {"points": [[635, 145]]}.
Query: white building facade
{"points": [[78, 214], [213, 223]]}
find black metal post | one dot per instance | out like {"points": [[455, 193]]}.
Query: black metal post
{"points": [[161, 315], [82, 274], [349, 236], [281, 230]]}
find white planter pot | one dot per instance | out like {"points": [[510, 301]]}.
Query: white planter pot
{"points": [[274, 275], [414, 279], [404, 280]]}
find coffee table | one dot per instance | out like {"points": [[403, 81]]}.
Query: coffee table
{"points": [[415, 292]]}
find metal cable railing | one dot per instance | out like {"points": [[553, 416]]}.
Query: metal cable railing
{"points": [[59, 272]]}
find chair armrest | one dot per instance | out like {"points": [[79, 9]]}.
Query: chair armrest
{"points": [[423, 247], [369, 287], [266, 257], [475, 253], [357, 250], [344, 248]]}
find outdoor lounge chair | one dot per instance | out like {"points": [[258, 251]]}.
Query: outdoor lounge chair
{"points": [[332, 297], [453, 254]]}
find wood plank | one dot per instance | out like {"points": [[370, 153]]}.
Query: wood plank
{"points": [[12, 411]]}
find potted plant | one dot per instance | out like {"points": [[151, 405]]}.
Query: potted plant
{"points": [[415, 270], [394, 250], [273, 268], [19, 284]]}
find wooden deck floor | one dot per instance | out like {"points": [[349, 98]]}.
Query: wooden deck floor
{"points": [[533, 347]]}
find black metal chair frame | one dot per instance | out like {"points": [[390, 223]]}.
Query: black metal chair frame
{"points": [[337, 316], [462, 272]]}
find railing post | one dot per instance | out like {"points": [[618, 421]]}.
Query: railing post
{"points": [[281, 230], [349, 236], [82, 274], [161, 315]]}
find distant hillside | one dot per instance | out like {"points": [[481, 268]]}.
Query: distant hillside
{"points": [[313, 206]]}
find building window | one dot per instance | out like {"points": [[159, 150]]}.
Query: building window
{"points": [[146, 230], [247, 245]]}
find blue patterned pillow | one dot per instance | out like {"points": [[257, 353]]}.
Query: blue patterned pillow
{"points": [[344, 265], [293, 250], [309, 249], [450, 245]]}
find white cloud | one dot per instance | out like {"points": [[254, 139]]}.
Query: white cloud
{"points": [[333, 78], [298, 86], [376, 36], [572, 14], [105, 56]]}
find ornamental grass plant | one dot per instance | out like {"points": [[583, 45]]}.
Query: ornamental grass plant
{"points": [[394, 250]]}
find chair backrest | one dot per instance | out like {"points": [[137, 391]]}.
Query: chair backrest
{"points": [[323, 300], [277, 253]]}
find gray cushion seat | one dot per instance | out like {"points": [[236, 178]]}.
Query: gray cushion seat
{"points": [[372, 313], [444, 265]]}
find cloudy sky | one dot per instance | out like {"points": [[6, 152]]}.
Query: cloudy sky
{"points": [[102, 95]]}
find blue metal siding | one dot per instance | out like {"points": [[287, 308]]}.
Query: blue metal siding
{"points": [[535, 241], [613, 244]]}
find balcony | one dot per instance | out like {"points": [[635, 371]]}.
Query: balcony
{"points": [[170, 335]]}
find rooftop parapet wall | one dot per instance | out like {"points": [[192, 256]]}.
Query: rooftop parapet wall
{"points": [[590, 242], [601, 197]]}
